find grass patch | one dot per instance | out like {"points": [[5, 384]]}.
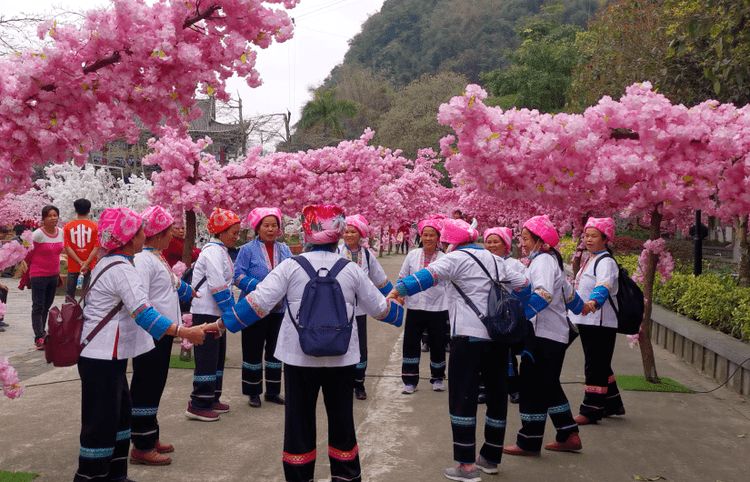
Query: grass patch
{"points": [[175, 362], [639, 383], [6, 476]]}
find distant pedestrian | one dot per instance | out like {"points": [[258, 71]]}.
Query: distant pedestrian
{"points": [[81, 246], [44, 270]]}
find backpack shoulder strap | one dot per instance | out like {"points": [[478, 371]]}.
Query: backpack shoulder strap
{"points": [[603, 256], [367, 255], [468, 301], [478, 262], [336, 268], [88, 288], [609, 296], [302, 261]]}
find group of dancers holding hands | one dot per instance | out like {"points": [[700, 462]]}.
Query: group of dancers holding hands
{"points": [[134, 281]]}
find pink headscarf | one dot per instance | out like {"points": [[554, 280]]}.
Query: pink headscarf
{"points": [[117, 226], [221, 219], [433, 221], [457, 231], [323, 224], [359, 222], [543, 227], [258, 214], [505, 234], [605, 225], [156, 219]]}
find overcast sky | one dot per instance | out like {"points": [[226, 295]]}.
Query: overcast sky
{"points": [[323, 29]]}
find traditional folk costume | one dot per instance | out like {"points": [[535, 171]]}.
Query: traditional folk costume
{"points": [[255, 260], [105, 397], [472, 350], [369, 263], [216, 297], [541, 391], [425, 311], [304, 375], [165, 291], [597, 280]]}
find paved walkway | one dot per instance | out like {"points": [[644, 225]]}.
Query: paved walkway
{"points": [[679, 437]]}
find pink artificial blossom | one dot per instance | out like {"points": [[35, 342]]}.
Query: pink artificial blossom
{"points": [[179, 269], [187, 322], [9, 378]]}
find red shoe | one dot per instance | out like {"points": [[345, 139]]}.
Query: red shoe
{"points": [[150, 457], [584, 420], [164, 448], [220, 407], [39, 344], [516, 450], [202, 415], [573, 444]]}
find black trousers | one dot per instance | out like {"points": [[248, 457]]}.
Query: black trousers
{"points": [[43, 290], [209, 366], [542, 393], [72, 281], [150, 372], [361, 368], [3, 298], [417, 321], [301, 387], [601, 396], [261, 335], [469, 357], [105, 420]]}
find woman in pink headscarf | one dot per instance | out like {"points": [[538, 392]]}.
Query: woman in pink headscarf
{"points": [[165, 291], [355, 249], [106, 403], [596, 283], [541, 391], [254, 261], [425, 312]]}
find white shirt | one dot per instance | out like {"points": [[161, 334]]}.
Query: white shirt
{"points": [[469, 276], [289, 279], [515, 265], [160, 283], [214, 263], [606, 274], [368, 264], [433, 299], [549, 281], [120, 282]]}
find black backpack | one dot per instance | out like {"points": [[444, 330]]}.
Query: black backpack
{"points": [[506, 321], [187, 277], [322, 323], [629, 300]]}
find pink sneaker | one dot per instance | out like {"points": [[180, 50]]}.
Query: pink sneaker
{"points": [[220, 407]]}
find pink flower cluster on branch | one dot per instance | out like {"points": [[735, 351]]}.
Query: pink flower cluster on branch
{"points": [[12, 387], [665, 266], [87, 87]]}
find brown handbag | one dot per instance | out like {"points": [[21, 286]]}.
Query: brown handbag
{"points": [[62, 344]]}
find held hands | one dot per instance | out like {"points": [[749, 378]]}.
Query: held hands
{"points": [[194, 293], [213, 328], [194, 334], [589, 307], [394, 295]]}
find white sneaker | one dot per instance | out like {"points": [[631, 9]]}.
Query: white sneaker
{"points": [[438, 386], [409, 389]]}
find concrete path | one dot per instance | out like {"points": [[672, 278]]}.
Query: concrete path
{"points": [[679, 437]]}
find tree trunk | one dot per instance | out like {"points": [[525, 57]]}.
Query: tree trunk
{"points": [[744, 268], [380, 244], [647, 350], [190, 230]]}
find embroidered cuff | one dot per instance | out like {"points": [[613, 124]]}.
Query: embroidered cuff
{"points": [[184, 292], [150, 320], [600, 294], [419, 281], [246, 283], [223, 298], [523, 292], [394, 315], [385, 288], [243, 314], [576, 304], [536, 304]]}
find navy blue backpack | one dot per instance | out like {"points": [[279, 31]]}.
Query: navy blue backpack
{"points": [[322, 323]]}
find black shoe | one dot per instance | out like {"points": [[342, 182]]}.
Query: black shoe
{"points": [[3, 324], [515, 397], [481, 398], [360, 394], [277, 399], [425, 348], [254, 401]]}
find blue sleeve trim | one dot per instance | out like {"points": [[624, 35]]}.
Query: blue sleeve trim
{"points": [[575, 305], [402, 291], [184, 292], [536, 304], [418, 282], [600, 294], [224, 299], [386, 289], [395, 314], [523, 294], [154, 323], [239, 316], [246, 283]]}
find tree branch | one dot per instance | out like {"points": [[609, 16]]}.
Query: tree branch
{"points": [[112, 59], [189, 22]]}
